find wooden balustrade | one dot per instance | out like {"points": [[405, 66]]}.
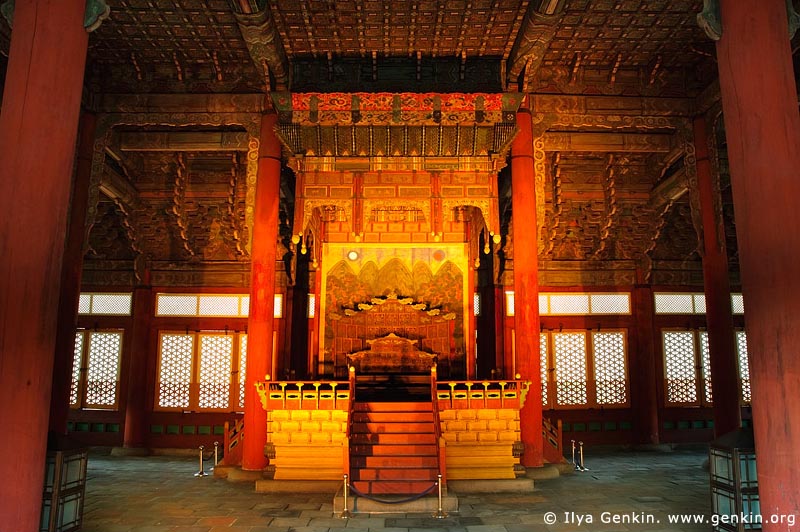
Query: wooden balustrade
{"points": [[482, 394], [304, 395]]}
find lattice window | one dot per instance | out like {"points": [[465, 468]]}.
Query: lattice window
{"points": [[476, 304], [85, 304], [674, 304], [744, 365], [312, 305], [543, 362], [569, 304], [242, 369], [609, 367], [216, 352], [111, 304], [277, 308], [610, 303], [175, 370], [699, 303], [679, 364], [77, 357], [705, 366], [570, 366], [105, 304], [510, 304], [544, 304], [102, 377], [244, 311], [176, 305], [218, 306], [737, 303]]}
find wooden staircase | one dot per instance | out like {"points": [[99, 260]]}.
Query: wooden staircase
{"points": [[393, 447]]}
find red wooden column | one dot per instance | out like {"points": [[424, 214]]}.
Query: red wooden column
{"points": [[526, 285], [260, 324], [71, 272], [644, 384], [762, 126], [38, 132], [134, 436], [719, 314]]}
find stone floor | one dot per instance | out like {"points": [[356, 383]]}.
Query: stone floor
{"points": [[160, 494]]}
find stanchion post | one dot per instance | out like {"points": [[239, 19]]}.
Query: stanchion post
{"points": [[583, 466], [345, 511], [440, 513], [573, 455], [216, 455], [201, 473]]}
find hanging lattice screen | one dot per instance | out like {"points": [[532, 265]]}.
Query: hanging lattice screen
{"points": [[76, 368], [242, 368], [679, 363], [544, 304], [744, 365], [103, 369], [216, 352], [705, 366], [543, 363], [175, 370], [570, 365], [609, 367]]}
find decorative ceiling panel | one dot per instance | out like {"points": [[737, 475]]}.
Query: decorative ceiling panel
{"points": [[359, 28], [171, 46]]}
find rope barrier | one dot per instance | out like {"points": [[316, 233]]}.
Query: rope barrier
{"points": [[394, 501]]}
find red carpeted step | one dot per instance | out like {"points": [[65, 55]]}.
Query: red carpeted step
{"points": [[379, 406], [392, 417], [407, 462], [391, 438], [397, 474], [399, 427], [389, 449], [400, 487]]}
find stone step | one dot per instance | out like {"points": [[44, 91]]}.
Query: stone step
{"points": [[427, 505]]}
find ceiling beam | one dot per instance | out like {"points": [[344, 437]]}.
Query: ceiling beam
{"points": [[183, 141], [609, 142]]}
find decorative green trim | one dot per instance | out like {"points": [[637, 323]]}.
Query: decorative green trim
{"points": [[7, 11], [96, 12], [710, 20], [793, 17]]}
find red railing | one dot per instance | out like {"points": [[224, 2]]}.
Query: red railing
{"points": [[553, 449], [232, 443]]}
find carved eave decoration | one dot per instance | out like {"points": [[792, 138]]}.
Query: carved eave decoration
{"points": [[533, 40], [265, 47], [445, 130]]}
